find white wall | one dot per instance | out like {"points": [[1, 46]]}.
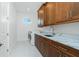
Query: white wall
{"points": [[22, 30], [12, 27], [26, 9]]}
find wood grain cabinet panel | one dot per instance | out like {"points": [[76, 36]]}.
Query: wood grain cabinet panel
{"points": [[50, 13], [75, 11], [50, 48], [52, 51], [63, 12], [41, 15], [58, 12]]}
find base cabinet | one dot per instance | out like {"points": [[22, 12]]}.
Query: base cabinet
{"points": [[52, 51], [65, 55], [45, 48], [50, 48]]}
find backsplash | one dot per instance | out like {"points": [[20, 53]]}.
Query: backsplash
{"points": [[71, 28], [46, 29]]}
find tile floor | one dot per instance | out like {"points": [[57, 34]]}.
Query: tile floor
{"points": [[25, 49]]}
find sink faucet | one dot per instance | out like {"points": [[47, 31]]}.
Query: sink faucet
{"points": [[52, 29]]}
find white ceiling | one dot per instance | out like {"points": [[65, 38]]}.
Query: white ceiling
{"points": [[27, 7]]}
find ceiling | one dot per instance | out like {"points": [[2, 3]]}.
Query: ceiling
{"points": [[27, 7]]}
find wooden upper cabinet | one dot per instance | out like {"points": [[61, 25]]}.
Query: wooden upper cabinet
{"points": [[47, 13], [59, 12], [75, 10], [50, 13], [62, 12], [41, 13], [67, 12]]}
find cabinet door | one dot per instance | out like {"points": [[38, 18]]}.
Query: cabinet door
{"points": [[59, 11], [41, 15], [40, 43], [52, 51], [42, 47], [75, 10], [36, 41], [44, 52], [62, 12], [65, 55], [50, 13]]}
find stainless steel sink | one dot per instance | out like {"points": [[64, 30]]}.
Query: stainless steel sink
{"points": [[49, 35]]}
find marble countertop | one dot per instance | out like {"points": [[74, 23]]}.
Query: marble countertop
{"points": [[64, 39]]}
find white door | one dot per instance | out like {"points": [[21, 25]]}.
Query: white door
{"points": [[4, 39], [4, 28]]}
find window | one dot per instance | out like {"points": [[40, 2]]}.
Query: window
{"points": [[27, 21]]}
